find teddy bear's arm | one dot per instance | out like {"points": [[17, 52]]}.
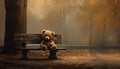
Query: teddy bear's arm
{"points": [[53, 43]]}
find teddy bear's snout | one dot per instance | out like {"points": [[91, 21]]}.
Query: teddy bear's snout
{"points": [[47, 38]]}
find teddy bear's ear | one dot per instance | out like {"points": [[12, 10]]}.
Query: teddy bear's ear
{"points": [[53, 33], [43, 31]]}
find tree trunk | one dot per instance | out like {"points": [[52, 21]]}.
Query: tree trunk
{"points": [[15, 22]]}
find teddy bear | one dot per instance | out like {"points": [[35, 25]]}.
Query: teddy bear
{"points": [[48, 40]]}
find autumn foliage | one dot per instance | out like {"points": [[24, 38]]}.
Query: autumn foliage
{"points": [[114, 6]]}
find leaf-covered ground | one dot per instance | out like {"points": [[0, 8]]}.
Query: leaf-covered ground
{"points": [[66, 60]]}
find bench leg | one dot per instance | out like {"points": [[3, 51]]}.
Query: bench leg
{"points": [[24, 54], [53, 54]]}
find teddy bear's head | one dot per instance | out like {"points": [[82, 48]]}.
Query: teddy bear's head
{"points": [[47, 35]]}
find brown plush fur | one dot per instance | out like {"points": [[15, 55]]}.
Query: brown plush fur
{"points": [[48, 40]]}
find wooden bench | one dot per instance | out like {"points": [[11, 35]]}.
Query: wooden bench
{"points": [[22, 39]]}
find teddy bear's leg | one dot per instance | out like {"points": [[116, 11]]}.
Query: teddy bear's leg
{"points": [[53, 47], [43, 47]]}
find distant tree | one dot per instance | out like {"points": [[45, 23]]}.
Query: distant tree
{"points": [[15, 22], [114, 5]]}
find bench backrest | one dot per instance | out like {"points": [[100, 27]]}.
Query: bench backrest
{"points": [[34, 38]]}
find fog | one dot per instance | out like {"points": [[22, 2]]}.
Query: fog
{"points": [[81, 22]]}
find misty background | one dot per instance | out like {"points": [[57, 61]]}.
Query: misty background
{"points": [[2, 21], [81, 22]]}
